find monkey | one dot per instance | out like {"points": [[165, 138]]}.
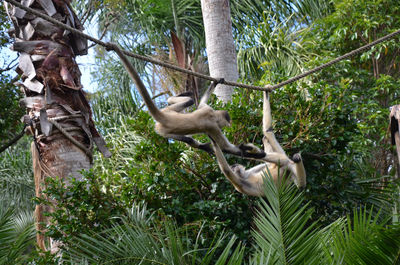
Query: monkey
{"points": [[188, 97], [172, 123], [276, 162]]}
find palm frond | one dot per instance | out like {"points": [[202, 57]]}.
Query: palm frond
{"points": [[278, 51], [234, 258], [136, 240], [362, 239], [282, 235], [17, 234], [16, 177]]}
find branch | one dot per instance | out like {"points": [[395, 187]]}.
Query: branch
{"points": [[14, 140], [9, 66]]}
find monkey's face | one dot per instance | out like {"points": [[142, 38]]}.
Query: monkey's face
{"points": [[223, 118], [238, 169]]}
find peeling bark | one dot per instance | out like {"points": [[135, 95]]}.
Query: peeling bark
{"points": [[58, 113]]}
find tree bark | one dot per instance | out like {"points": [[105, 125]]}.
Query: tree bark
{"points": [[58, 114], [221, 50]]}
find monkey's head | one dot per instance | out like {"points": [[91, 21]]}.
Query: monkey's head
{"points": [[238, 169], [223, 118]]}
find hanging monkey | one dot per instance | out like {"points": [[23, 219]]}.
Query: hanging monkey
{"points": [[277, 163], [172, 123]]}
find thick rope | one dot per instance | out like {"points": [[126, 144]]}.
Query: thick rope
{"points": [[72, 139], [338, 59], [268, 88], [131, 54]]}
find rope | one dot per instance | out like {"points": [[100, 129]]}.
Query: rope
{"points": [[338, 59], [72, 139], [268, 88], [131, 54], [14, 140]]}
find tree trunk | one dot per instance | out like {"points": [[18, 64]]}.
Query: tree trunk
{"points": [[221, 50], [58, 113]]}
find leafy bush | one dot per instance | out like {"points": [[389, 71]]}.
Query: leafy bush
{"points": [[81, 206]]}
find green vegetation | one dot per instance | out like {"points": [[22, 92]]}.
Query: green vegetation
{"points": [[159, 202]]}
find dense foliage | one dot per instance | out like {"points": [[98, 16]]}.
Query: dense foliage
{"points": [[283, 234]]}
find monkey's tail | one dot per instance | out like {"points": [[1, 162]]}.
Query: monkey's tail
{"points": [[154, 111]]}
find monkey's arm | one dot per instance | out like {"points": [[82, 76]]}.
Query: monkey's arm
{"points": [[296, 165], [269, 136], [244, 150], [204, 99], [232, 149], [248, 184], [192, 142], [178, 104], [225, 168]]}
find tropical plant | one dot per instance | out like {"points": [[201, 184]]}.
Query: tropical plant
{"points": [[278, 51], [171, 185], [11, 112], [137, 239], [55, 88], [363, 238], [4, 26], [17, 235], [283, 234], [16, 177]]}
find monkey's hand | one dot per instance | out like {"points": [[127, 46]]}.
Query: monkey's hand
{"points": [[185, 94], [206, 147], [250, 150], [297, 158], [112, 46]]}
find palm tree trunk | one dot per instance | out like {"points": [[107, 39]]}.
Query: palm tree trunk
{"points": [[58, 113], [221, 50]]}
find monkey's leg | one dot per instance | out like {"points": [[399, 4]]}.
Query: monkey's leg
{"points": [[269, 136], [192, 142], [186, 94], [277, 158], [178, 104], [267, 146], [256, 169], [244, 150], [296, 166]]}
